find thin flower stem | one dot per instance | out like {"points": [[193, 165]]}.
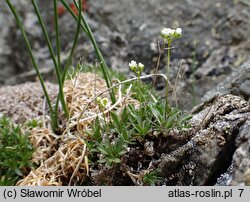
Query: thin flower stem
{"points": [[158, 62], [105, 121], [140, 87], [168, 76]]}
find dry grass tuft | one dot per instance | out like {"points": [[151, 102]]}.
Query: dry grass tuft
{"points": [[67, 166], [63, 159]]}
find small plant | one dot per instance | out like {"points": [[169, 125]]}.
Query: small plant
{"points": [[175, 117], [15, 153], [137, 69], [140, 120], [111, 138], [33, 123], [112, 151], [152, 177], [103, 104], [119, 125], [169, 35]]}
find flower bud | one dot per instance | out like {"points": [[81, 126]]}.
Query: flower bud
{"points": [[104, 102], [133, 65], [141, 67], [137, 68]]}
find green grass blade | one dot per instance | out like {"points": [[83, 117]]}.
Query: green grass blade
{"points": [[101, 59], [73, 14], [13, 10], [58, 73], [58, 49], [74, 42], [72, 49]]}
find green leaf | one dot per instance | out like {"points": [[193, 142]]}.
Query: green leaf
{"points": [[116, 160], [103, 150], [15, 152], [124, 116], [118, 145], [102, 161], [18, 172], [116, 122]]}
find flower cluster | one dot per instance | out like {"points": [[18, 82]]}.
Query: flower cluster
{"points": [[169, 34], [136, 67]]}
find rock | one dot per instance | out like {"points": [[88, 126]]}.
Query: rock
{"points": [[238, 171], [26, 101], [30, 75], [241, 161], [209, 152], [238, 83], [241, 157], [127, 30]]}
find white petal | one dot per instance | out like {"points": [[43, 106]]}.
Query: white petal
{"points": [[166, 31], [140, 65], [171, 31], [132, 64], [178, 30]]}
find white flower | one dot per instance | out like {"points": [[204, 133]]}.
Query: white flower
{"points": [[132, 64], [141, 66], [136, 67], [172, 31], [178, 31], [166, 32]]}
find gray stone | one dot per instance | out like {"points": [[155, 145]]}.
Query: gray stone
{"points": [[241, 157], [238, 83], [220, 123], [215, 39]]}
